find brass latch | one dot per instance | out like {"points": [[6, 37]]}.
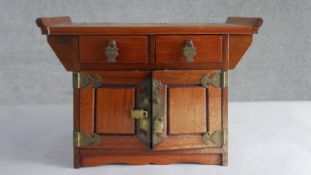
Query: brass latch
{"points": [[218, 137], [82, 80], [82, 139], [218, 80], [142, 117]]}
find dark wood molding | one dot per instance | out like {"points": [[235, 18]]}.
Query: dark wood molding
{"points": [[45, 22], [255, 23]]}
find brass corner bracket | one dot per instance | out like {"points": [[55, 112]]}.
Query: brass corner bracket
{"points": [[82, 139], [218, 137], [82, 80], [218, 80]]}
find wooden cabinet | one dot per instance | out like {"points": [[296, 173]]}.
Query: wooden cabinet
{"points": [[150, 93]]}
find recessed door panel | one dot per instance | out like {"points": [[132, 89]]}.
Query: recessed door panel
{"points": [[187, 110], [113, 106]]}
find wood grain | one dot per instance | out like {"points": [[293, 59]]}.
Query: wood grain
{"points": [[157, 66], [115, 133], [113, 109], [255, 22], [183, 141], [131, 49], [45, 22], [66, 49], [187, 110], [119, 142], [151, 48], [224, 97], [76, 125], [233, 25], [111, 152], [169, 48], [186, 79], [214, 159], [87, 110], [238, 45], [182, 77], [214, 109]]}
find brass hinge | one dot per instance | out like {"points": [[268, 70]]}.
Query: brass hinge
{"points": [[218, 80], [218, 137], [82, 80], [82, 139]]}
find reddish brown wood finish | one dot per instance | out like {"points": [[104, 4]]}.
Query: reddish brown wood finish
{"points": [[238, 45], [45, 22], [214, 159], [113, 108], [224, 98], [76, 125], [150, 51], [131, 49], [233, 25], [187, 110], [118, 133], [214, 109], [240, 30], [169, 48], [189, 79], [158, 66], [66, 49], [87, 109], [255, 22]]}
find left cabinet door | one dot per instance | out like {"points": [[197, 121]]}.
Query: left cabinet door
{"points": [[107, 105]]}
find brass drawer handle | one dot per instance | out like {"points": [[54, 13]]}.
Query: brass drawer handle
{"points": [[189, 51], [111, 51]]}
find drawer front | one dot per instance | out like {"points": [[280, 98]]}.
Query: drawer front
{"points": [[188, 48], [113, 49]]}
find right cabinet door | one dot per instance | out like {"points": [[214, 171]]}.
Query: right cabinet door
{"points": [[186, 113]]}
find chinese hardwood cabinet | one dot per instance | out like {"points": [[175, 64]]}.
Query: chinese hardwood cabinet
{"points": [[150, 93]]}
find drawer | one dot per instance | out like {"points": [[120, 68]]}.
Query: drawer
{"points": [[113, 49], [198, 48]]}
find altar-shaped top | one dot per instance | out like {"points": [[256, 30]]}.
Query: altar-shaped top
{"points": [[149, 46]]}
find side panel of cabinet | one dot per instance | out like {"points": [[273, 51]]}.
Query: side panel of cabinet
{"points": [[189, 110], [106, 110]]}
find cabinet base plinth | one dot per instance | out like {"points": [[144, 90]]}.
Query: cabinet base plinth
{"points": [[89, 158]]}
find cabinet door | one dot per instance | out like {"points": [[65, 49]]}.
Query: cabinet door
{"points": [[106, 105], [183, 110]]}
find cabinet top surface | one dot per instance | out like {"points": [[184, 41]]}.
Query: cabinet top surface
{"points": [[64, 26]]}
